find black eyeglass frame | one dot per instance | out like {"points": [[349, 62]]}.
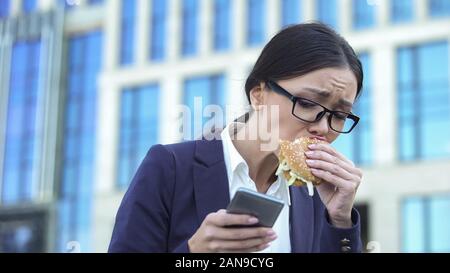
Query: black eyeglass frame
{"points": [[280, 90]]}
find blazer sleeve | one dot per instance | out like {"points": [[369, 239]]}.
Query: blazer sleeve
{"points": [[143, 218], [344, 240]]}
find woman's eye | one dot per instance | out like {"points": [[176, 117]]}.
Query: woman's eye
{"points": [[306, 104]]}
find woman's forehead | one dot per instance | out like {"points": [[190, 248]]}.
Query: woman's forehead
{"points": [[332, 80]]}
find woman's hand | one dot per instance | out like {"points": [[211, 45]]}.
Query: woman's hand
{"points": [[215, 235], [343, 180]]}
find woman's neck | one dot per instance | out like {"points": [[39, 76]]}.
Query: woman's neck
{"points": [[262, 164]]}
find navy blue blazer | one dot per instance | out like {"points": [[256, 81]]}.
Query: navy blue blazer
{"points": [[177, 185]]}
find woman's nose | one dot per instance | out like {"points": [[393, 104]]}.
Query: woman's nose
{"points": [[320, 127]]}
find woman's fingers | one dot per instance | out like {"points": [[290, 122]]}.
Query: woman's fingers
{"points": [[242, 233], [329, 149], [340, 160], [336, 169], [222, 218], [248, 245], [342, 184]]}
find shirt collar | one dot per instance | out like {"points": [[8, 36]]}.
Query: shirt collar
{"points": [[234, 161]]}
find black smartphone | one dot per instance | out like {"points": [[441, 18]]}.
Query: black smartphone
{"points": [[264, 207]]}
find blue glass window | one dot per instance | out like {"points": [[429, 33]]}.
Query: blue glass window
{"points": [[327, 12], [199, 93], [4, 8], [29, 5], [138, 129], [256, 22], [439, 8], [190, 26], [95, 2], [158, 29], [358, 145], [291, 12], [21, 159], [127, 27], [222, 24], [363, 14], [425, 224], [402, 10], [423, 101], [76, 189]]}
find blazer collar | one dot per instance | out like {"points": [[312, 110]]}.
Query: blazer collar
{"points": [[210, 178]]}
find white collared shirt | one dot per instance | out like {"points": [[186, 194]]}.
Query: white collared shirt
{"points": [[238, 176]]}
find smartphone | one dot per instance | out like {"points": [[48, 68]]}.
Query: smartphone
{"points": [[264, 207]]}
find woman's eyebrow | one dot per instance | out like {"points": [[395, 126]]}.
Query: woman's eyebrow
{"points": [[325, 93]]}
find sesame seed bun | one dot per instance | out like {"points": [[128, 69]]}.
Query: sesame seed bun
{"points": [[293, 153]]}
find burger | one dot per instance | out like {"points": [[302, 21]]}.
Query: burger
{"points": [[293, 163]]}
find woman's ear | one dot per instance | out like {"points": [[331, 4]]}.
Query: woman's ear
{"points": [[257, 96]]}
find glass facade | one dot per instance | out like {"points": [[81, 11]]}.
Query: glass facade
{"points": [[127, 27], [158, 30], [402, 10], [439, 8], [77, 181], [290, 12], [199, 94], [4, 8], [363, 14], [423, 101], [222, 25], [189, 27], [256, 22], [327, 12], [138, 129], [21, 161], [425, 224], [29, 5]]}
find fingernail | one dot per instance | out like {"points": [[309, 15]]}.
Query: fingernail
{"points": [[309, 161], [309, 152], [273, 237], [253, 220], [270, 233], [312, 146]]}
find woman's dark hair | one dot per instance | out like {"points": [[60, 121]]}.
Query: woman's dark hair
{"points": [[300, 49]]}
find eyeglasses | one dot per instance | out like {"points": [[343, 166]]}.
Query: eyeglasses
{"points": [[311, 111]]}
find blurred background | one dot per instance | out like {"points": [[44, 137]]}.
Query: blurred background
{"points": [[87, 86]]}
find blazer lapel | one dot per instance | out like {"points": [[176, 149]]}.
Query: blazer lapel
{"points": [[210, 178], [301, 220]]}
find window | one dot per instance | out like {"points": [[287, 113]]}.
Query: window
{"points": [[402, 10], [439, 8], [256, 18], [291, 12], [222, 24], [158, 29], [363, 14], [358, 145], [200, 93], [127, 27], [76, 188], [327, 12], [29, 5], [138, 129], [425, 224], [423, 101], [21, 161], [189, 27], [95, 2], [4, 8]]}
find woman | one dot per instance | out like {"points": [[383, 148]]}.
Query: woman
{"points": [[176, 201]]}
